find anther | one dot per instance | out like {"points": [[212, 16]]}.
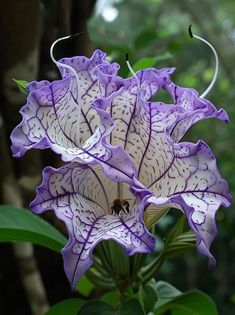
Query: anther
{"points": [[190, 31], [75, 35], [216, 61]]}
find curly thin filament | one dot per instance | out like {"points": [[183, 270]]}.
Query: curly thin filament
{"points": [[72, 71], [216, 61], [131, 70]]}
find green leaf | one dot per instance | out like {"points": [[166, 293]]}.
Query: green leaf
{"points": [[143, 63], [176, 230], [84, 286], [22, 86], [166, 292], [148, 297], [66, 307], [177, 243], [187, 237], [193, 302], [100, 280], [112, 298], [149, 62], [177, 249], [165, 56], [96, 308], [131, 307], [101, 308], [21, 225]]}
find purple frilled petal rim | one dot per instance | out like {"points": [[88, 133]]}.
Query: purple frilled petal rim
{"points": [[195, 109]]}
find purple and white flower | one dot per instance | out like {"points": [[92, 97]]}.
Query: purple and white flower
{"points": [[180, 175], [61, 115], [80, 194], [121, 145], [82, 197]]}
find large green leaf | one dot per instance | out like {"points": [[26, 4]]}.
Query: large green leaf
{"points": [[148, 296], [101, 308], [131, 307], [193, 302], [21, 225], [112, 298], [84, 286], [96, 308], [66, 307], [166, 292]]}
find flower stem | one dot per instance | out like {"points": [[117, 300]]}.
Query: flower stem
{"points": [[150, 271], [103, 254], [99, 280], [99, 266], [136, 263], [119, 261]]}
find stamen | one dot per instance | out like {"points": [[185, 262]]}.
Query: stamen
{"points": [[131, 70], [57, 62], [73, 72], [216, 61]]}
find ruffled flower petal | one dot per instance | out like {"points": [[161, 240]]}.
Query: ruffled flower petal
{"points": [[84, 67], [59, 114], [52, 118], [81, 198], [36, 85], [191, 182], [194, 109], [130, 111]]}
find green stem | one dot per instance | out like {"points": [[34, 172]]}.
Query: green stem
{"points": [[136, 263], [120, 262], [99, 266], [150, 271], [99, 280], [103, 254]]}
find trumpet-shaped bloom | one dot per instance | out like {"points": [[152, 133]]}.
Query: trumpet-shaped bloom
{"points": [[61, 115], [82, 197], [103, 120], [180, 175]]}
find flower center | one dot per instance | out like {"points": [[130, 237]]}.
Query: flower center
{"points": [[120, 206]]}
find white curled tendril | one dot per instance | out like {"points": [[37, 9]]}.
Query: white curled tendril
{"points": [[216, 61], [72, 71], [131, 70]]}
